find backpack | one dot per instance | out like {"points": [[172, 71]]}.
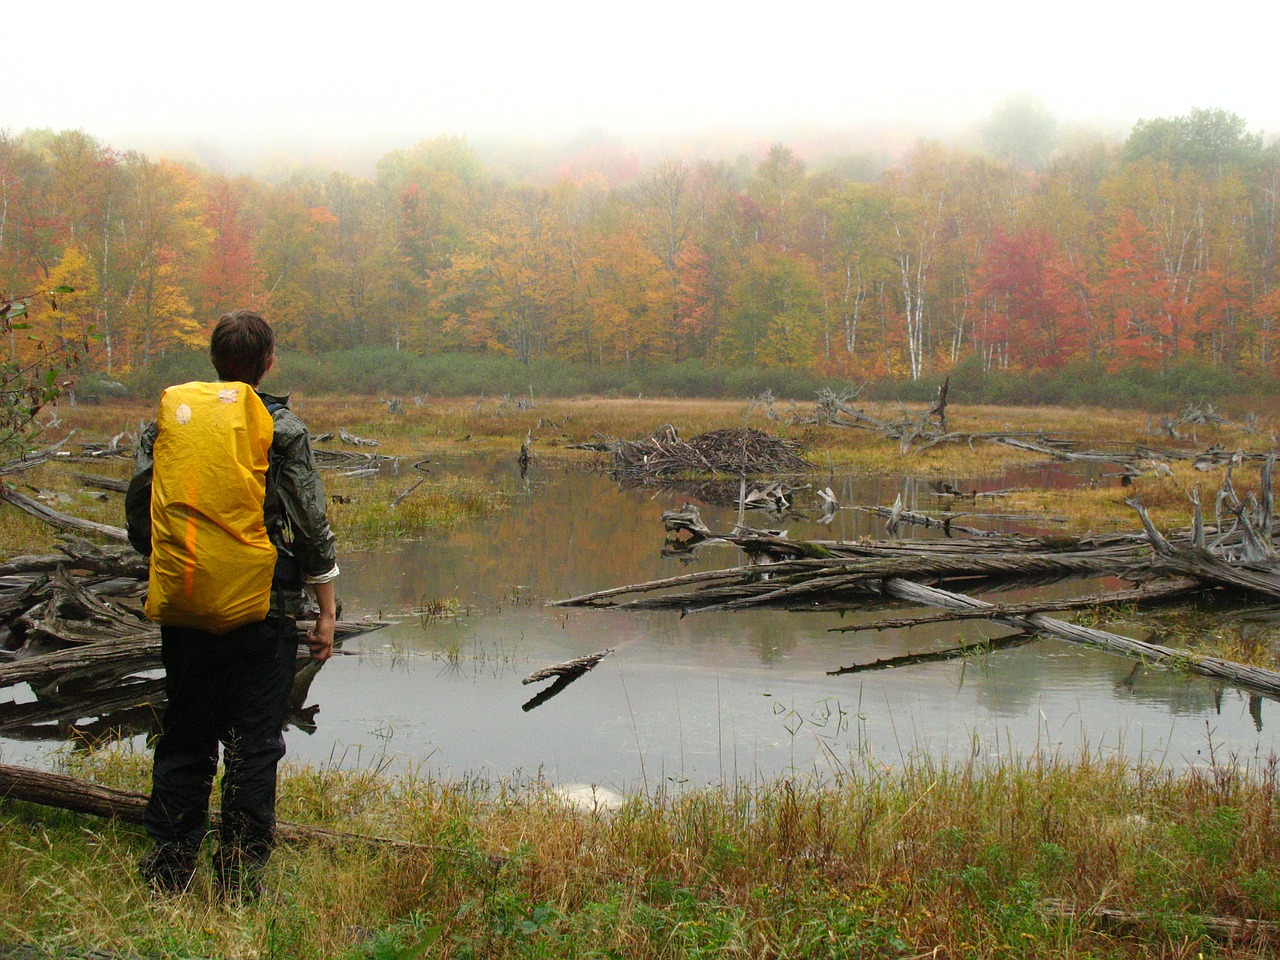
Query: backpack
{"points": [[211, 559]]}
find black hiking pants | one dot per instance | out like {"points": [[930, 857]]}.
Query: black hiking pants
{"points": [[230, 689]]}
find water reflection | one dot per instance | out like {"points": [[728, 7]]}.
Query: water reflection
{"points": [[713, 697]]}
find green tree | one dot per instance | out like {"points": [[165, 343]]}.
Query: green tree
{"points": [[1021, 131]]}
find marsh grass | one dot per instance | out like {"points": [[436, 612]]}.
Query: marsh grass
{"points": [[366, 513], [935, 859]]}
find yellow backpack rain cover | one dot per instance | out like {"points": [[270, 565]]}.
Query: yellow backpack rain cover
{"points": [[211, 560]]}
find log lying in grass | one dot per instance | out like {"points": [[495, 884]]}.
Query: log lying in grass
{"points": [[58, 519], [26, 462], [113, 484], [81, 796]]}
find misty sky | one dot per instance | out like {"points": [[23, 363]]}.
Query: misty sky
{"points": [[237, 71]]}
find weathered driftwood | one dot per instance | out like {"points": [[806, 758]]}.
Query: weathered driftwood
{"points": [[565, 673], [1256, 679], [84, 713], [920, 431], [118, 703], [793, 582], [29, 460], [141, 650], [802, 573], [355, 441], [414, 486], [1148, 593], [687, 519], [78, 554], [829, 505], [897, 515], [939, 656], [421, 466], [60, 520], [74, 614], [336, 458], [81, 796], [114, 484], [115, 448], [575, 667]]}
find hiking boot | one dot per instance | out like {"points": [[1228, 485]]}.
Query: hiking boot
{"points": [[238, 877], [168, 868]]}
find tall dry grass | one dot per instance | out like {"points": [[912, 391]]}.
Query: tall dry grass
{"points": [[935, 858]]}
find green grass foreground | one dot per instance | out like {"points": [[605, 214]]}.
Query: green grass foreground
{"points": [[940, 860]]}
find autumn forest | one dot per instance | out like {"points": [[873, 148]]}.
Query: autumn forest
{"points": [[1157, 250]]}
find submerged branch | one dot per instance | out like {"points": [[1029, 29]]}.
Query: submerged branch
{"points": [[937, 656]]}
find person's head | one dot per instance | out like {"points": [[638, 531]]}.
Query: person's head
{"points": [[242, 347]]}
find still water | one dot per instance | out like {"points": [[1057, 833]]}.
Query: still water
{"points": [[712, 697], [707, 698]]}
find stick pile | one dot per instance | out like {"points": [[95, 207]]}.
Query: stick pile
{"points": [[737, 451]]}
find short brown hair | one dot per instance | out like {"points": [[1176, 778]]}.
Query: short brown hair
{"points": [[241, 347]]}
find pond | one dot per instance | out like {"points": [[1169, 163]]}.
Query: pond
{"points": [[706, 698]]}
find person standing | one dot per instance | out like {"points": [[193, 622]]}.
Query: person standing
{"points": [[235, 533]]}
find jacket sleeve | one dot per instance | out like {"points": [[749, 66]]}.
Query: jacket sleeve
{"points": [[137, 500], [302, 500]]}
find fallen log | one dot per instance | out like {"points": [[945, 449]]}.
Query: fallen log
{"points": [[798, 584], [74, 614], [355, 441], [570, 668], [947, 523], [60, 520], [27, 461], [77, 554], [81, 796], [142, 649], [1256, 679], [565, 673], [938, 656], [1148, 593], [113, 484]]}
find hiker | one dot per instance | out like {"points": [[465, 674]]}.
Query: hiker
{"points": [[227, 502]]}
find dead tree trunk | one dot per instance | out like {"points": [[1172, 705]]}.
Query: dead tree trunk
{"points": [[60, 520]]}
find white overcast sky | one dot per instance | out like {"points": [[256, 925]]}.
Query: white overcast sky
{"points": [[234, 71]]}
